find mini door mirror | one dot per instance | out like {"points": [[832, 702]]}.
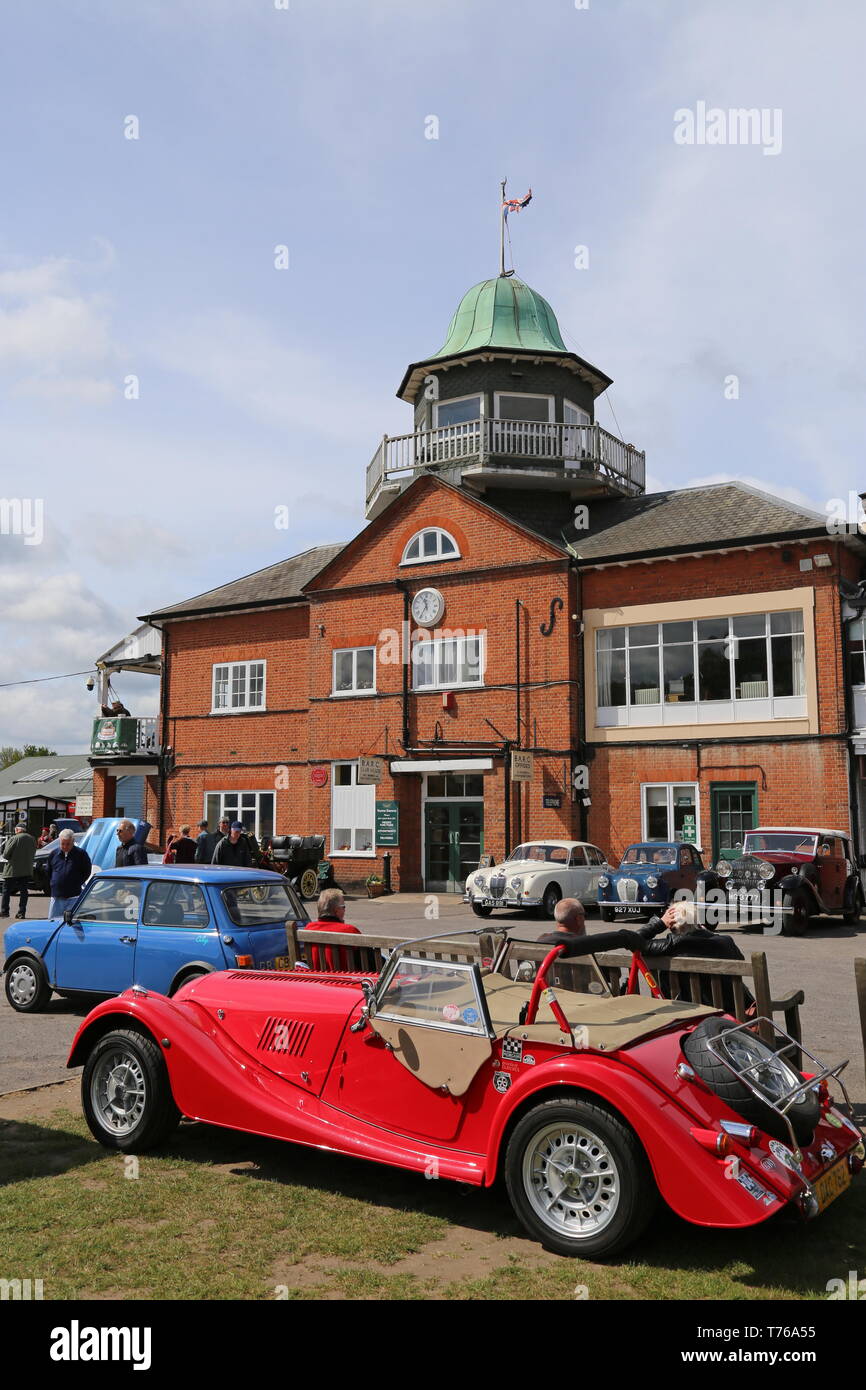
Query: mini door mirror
{"points": [[67, 916]]}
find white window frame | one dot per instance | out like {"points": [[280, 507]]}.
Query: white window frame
{"points": [[455, 400], [355, 691], [480, 637], [436, 559], [232, 666], [351, 820], [257, 792], [530, 395], [669, 788], [857, 642], [575, 424]]}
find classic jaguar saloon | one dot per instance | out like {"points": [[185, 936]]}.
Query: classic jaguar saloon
{"points": [[535, 876], [594, 1107]]}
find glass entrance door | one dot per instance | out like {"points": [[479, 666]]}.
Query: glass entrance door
{"points": [[454, 840], [734, 811]]}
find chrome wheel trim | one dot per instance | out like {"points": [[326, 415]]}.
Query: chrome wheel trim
{"points": [[118, 1091], [23, 983], [571, 1180]]}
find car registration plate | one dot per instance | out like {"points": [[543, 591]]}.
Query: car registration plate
{"points": [[625, 907], [492, 902], [832, 1184], [282, 963]]}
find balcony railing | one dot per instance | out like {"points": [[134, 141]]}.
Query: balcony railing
{"points": [[124, 735], [577, 448]]}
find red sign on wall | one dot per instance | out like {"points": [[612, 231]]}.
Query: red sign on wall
{"points": [[318, 776]]}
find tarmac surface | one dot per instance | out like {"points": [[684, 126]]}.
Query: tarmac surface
{"points": [[33, 1048]]}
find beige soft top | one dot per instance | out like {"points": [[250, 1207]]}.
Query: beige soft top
{"points": [[609, 1023]]}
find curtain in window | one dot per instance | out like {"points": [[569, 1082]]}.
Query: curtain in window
{"points": [[604, 663]]}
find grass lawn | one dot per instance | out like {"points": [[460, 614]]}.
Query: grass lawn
{"points": [[220, 1215]]}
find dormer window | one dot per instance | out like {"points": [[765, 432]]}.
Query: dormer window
{"points": [[430, 544]]}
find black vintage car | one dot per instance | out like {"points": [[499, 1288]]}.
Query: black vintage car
{"points": [[786, 876]]}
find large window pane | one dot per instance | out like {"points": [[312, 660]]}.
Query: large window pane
{"points": [[644, 675], [657, 813], [364, 664], [684, 805], [523, 408], [714, 671], [458, 412], [679, 669], [343, 671], [750, 669], [789, 665]]}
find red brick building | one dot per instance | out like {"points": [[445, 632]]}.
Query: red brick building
{"points": [[674, 663]]}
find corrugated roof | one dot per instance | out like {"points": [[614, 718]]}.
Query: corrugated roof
{"points": [[279, 583], [14, 787]]}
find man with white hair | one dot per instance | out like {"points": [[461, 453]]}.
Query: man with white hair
{"points": [[68, 870], [19, 853]]}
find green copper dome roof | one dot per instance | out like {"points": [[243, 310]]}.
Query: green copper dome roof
{"points": [[502, 313]]}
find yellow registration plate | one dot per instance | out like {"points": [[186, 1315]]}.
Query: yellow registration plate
{"points": [[832, 1184], [282, 963]]}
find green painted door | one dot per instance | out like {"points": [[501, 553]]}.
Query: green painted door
{"points": [[454, 843], [734, 811]]}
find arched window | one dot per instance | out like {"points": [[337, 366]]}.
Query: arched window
{"points": [[430, 544]]}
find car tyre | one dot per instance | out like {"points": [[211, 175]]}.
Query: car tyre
{"points": [[552, 895], [608, 1209], [796, 912], [480, 910], [126, 1094], [308, 885], [27, 987], [804, 1114], [854, 913], [185, 979]]}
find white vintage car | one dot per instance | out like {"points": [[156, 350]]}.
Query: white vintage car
{"points": [[536, 875]]}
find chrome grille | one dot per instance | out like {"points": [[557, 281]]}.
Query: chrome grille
{"points": [[626, 889], [497, 886]]}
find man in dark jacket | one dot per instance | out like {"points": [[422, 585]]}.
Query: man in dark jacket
{"points": [[207, 840], [128, 852], [19, 853], [233, 851], [68, 870]]}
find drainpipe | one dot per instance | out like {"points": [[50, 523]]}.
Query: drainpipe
{"points": [[581, 698], [404, 656], [163, 737], [853, 798], [518, 604]]}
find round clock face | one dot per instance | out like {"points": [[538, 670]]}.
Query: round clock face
{"points": [[428, 605]]}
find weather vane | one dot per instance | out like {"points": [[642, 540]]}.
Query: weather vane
{"points": [[508, 205]]}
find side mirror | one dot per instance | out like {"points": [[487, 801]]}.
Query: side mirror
{"points": [[67, 916]]}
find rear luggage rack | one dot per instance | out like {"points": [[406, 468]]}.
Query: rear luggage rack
{"points": [[782, 1105]]}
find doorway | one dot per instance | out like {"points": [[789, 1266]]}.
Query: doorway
{"points": [[453, 843], [734, 808]]}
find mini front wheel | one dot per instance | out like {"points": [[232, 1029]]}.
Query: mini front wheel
{"points": [[125, 1092], [578, 1179], [27, 987]]}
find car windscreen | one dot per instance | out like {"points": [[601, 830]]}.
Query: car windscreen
{"points": [[544, 854], [261, 904], [788, 843], [650, 854]]}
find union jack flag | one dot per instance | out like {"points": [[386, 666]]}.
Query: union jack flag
{"points": [[515, 204]]}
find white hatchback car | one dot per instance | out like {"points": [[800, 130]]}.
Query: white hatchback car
{"points": [[537, 875]]}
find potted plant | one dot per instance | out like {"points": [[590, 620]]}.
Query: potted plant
{"points": [[375, 886]]}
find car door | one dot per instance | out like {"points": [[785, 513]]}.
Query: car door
{"points": [[832, 872], [597, 864], [176, 930], [410, 1069], [579, 877], [96, 950]]}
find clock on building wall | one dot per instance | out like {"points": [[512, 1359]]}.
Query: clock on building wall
{"points": [[428, 606]]}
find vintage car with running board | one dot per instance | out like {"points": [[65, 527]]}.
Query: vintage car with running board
{"points": [[786, 876], [593, 1107]]}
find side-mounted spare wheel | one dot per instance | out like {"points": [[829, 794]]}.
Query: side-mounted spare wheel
{"points": [[578, 1179], [125, 1092], [771, 1073]]}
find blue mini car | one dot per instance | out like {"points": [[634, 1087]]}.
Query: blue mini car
{"points": [[649, 877], [157, 927]]}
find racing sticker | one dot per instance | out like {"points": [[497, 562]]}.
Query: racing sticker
{"points": [[529, 1060], [470, 1016], [450, 1013], [512, 1049], [501, 1081]]}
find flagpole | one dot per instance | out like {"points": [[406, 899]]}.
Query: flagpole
{"points": [[502, 229]]}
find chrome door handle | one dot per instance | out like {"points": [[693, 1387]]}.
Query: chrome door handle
{"points": [[128, 940]]}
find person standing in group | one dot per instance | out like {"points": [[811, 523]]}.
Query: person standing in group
{"points": [[234, 851], [49, 833], [184, 847], [209, 839], [19, 853], [68, 870], [128, 852]]}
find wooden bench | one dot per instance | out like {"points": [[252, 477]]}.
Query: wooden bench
{"points": [[687, 973]]}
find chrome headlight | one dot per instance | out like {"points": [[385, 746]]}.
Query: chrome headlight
{"points": [[652, 881], [765, 869], [517, 883], [478, 881], [603, 881], [723, 868]]}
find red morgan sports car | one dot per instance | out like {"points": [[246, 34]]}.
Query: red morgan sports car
{"points": [[593, 1106]]}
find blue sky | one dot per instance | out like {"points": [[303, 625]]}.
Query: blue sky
{"points": [[305, 126]]}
